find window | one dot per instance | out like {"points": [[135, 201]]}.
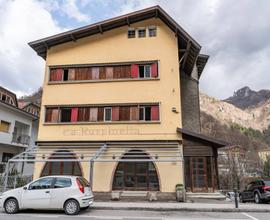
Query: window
{"points": [[65, 115], [62, 183], [107, 114], [4, 97], [4, 126], [131, 33], [45, 183], [145, 113], [145, 71], [52, 115], [6, 157], [152, 30], [65, 78], [141, 32]]}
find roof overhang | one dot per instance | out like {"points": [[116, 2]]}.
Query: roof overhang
{"points": [[201, 62], [202, 138], [16, 109], [188, 47]]}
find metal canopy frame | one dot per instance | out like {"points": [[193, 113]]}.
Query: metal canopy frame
{"points": [[170, 152]]}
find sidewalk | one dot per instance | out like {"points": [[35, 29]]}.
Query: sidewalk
{"points": [[174, 206]]}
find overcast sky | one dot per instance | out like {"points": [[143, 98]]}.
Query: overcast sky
{"points": [[236, 35]]}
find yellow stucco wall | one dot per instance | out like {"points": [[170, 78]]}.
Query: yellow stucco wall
{"points": [[109, 47], [169, 173], [114, 46]]}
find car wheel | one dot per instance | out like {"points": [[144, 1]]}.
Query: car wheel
{"points": [[72, 207], [257, 198], [11, 206]]}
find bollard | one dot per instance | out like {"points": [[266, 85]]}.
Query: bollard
{"points": [[236, 198]]}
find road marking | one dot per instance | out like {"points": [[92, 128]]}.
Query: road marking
{"points": [[249, 216]]}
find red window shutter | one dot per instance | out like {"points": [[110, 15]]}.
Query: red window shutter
{"points": [[155, 113], [154, 71], [134, 70], [115, 113], [74, 114], [59, 75]]}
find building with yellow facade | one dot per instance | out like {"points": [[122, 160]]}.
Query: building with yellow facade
{"points": [[120, 106]]}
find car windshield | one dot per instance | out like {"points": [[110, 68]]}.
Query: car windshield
{"points": [[267, 183]]}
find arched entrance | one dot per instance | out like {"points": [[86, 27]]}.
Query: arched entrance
{"points": [[62, 167], [135, 175]]}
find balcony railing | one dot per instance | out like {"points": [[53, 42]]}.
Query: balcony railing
{"points": [[21, 139]]}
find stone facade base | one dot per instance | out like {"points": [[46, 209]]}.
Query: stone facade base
{"points": [[134, 196]]}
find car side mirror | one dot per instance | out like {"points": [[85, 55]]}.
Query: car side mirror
{"points": [[25, 188]]}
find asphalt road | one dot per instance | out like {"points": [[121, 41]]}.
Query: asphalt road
{"points": [[134, 215]]}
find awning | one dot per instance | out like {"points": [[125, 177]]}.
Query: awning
{"points": [[202, 138], [169, 152]]}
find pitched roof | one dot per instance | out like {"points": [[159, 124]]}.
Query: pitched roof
{"points": [[11, 94], [188, 48], [202, 137], [19, 110]]}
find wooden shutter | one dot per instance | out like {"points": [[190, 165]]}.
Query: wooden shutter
{"points": [[55, 115], [74, 114], [88, 73], [48, 115], [95, 73], [53, 75], [115, 113], [134, 113], [71, 74], [127, 71], [154, 70], [124, 113], [81, 114], [134, 70], [117, 72], [59, 74], [93, 114], [100, 114], [109, 72], [102, 73], [154, 113]]}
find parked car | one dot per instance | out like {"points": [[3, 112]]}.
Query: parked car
{"points": [[68, 193], [257, 191]]}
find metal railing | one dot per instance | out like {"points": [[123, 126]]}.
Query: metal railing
{"points": [[21, 139]]}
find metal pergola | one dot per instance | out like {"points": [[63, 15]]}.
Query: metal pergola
{"points": [[156, 152]]}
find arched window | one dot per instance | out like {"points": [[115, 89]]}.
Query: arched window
{"points": [[135, 175], [62, 167]]}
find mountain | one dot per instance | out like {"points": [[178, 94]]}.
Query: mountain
{"points": [[245, 97], [249, 126]]}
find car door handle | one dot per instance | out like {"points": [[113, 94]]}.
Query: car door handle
{"points": [[47, 191]]}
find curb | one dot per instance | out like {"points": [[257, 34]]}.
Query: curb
{"points": [[182, 209]]}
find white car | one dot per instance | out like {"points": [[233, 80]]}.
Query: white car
{"points": [[68, 193]]}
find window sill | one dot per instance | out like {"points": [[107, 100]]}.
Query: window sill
{"points": [[102, 81], [103, 123]]}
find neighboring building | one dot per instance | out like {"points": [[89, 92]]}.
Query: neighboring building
{"points": [[18, 129], [123, 93]]}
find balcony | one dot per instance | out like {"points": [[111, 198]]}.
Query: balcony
{"points": [[20, 139], [21, 134]]}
